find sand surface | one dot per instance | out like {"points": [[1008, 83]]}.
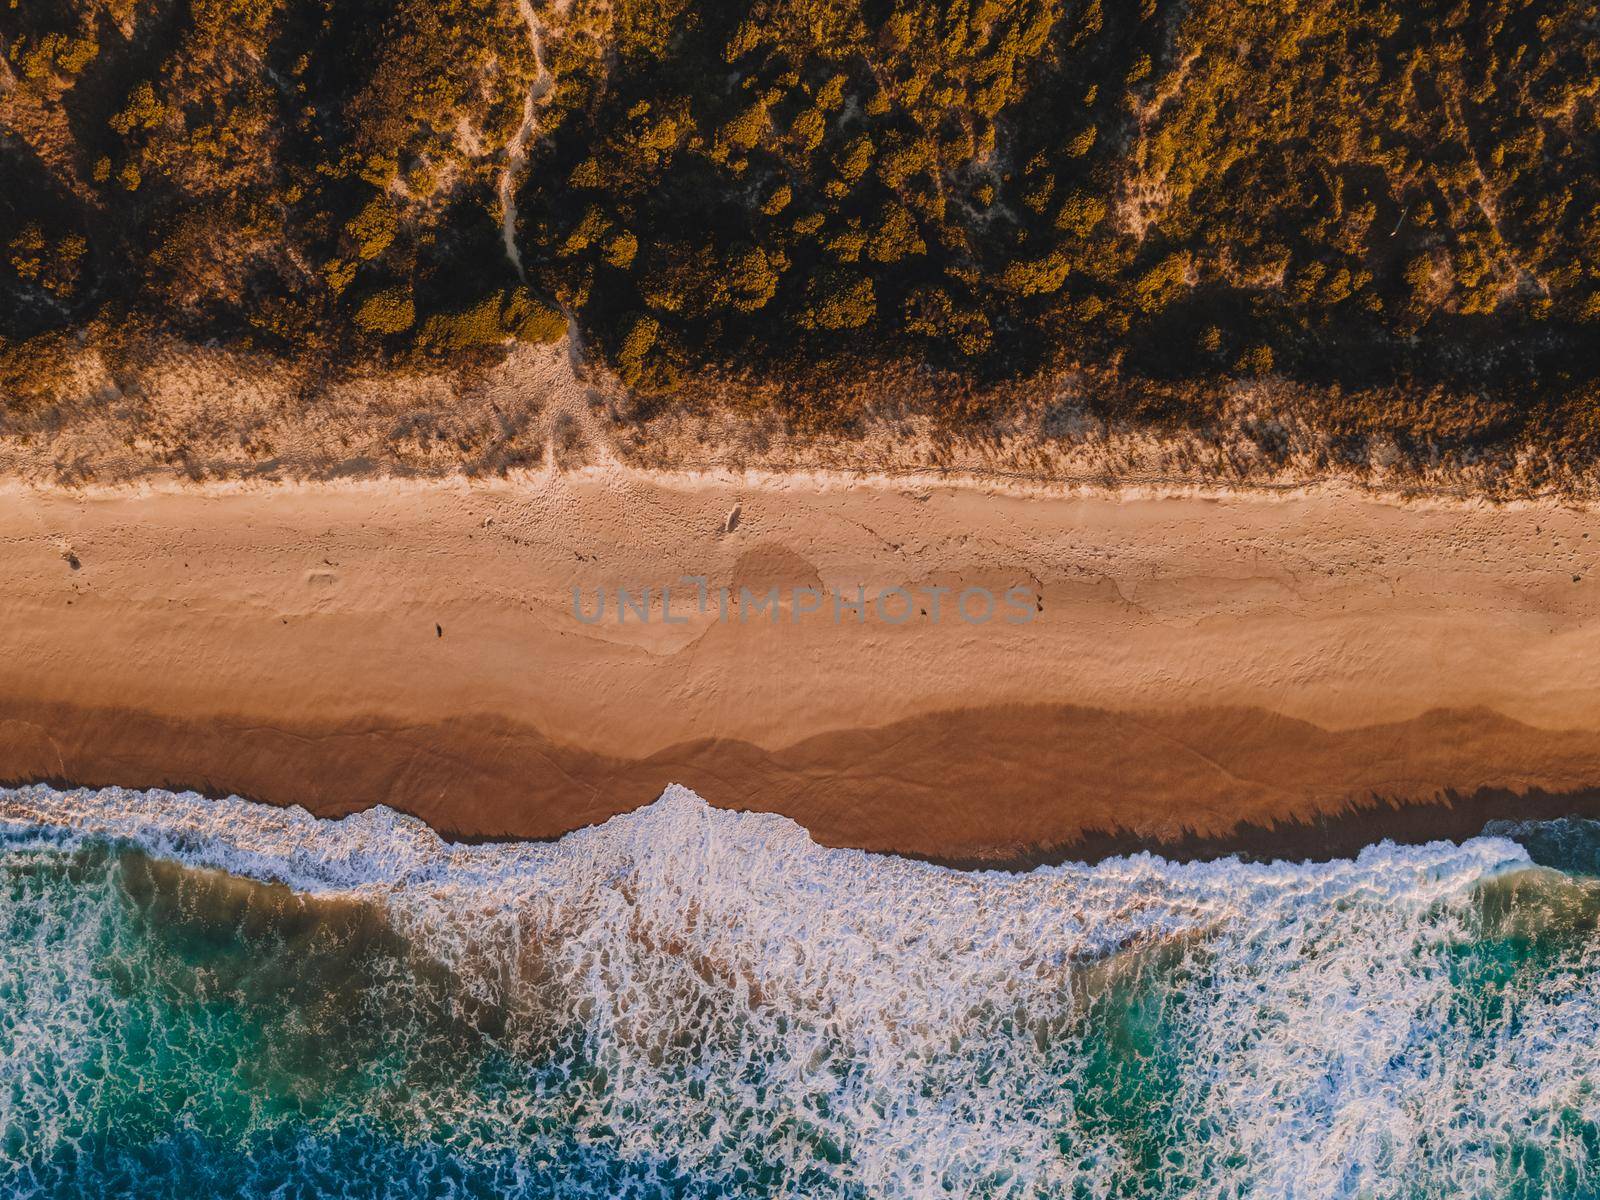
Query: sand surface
{"points": [[1190, 662]]}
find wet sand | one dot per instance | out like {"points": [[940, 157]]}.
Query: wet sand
{"points": [[1197, 672]]}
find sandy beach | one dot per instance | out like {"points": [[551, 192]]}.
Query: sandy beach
{"points": [[1187, 664]]}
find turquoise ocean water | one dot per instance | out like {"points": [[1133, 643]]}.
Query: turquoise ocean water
{"points": [[205, 999]]}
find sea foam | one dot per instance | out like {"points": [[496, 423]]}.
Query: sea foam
{"points": [[712, 993]]}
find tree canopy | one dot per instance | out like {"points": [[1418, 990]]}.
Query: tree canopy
{"points": [[1356, 195]]}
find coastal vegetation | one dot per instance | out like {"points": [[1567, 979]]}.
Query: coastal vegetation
{"points": [[1393, 202]]}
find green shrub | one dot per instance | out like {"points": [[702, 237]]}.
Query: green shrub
{"points": [[529, 320], [374, 227], [388, 311], [839, 299], [476, 325]]}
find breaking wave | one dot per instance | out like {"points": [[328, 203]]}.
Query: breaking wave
{"points": [[215, 998]]}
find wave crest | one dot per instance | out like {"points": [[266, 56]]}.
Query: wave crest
{"points": [[715, 1001]]}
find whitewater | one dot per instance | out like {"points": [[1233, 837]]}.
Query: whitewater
{"points": [[217, 998]]}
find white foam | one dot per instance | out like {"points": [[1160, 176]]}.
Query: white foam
{"points": [[930, 1021]]}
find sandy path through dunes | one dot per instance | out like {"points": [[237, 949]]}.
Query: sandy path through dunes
{"points": [[1197, 661]]}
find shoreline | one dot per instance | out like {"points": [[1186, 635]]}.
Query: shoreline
{"points": [[1341, 836], [1200, 663]]}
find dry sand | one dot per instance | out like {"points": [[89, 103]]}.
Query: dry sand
{"points": [[1200, 661]]}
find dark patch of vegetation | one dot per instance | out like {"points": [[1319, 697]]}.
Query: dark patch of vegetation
{"points": [[1394, 201], [300, 176]]}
